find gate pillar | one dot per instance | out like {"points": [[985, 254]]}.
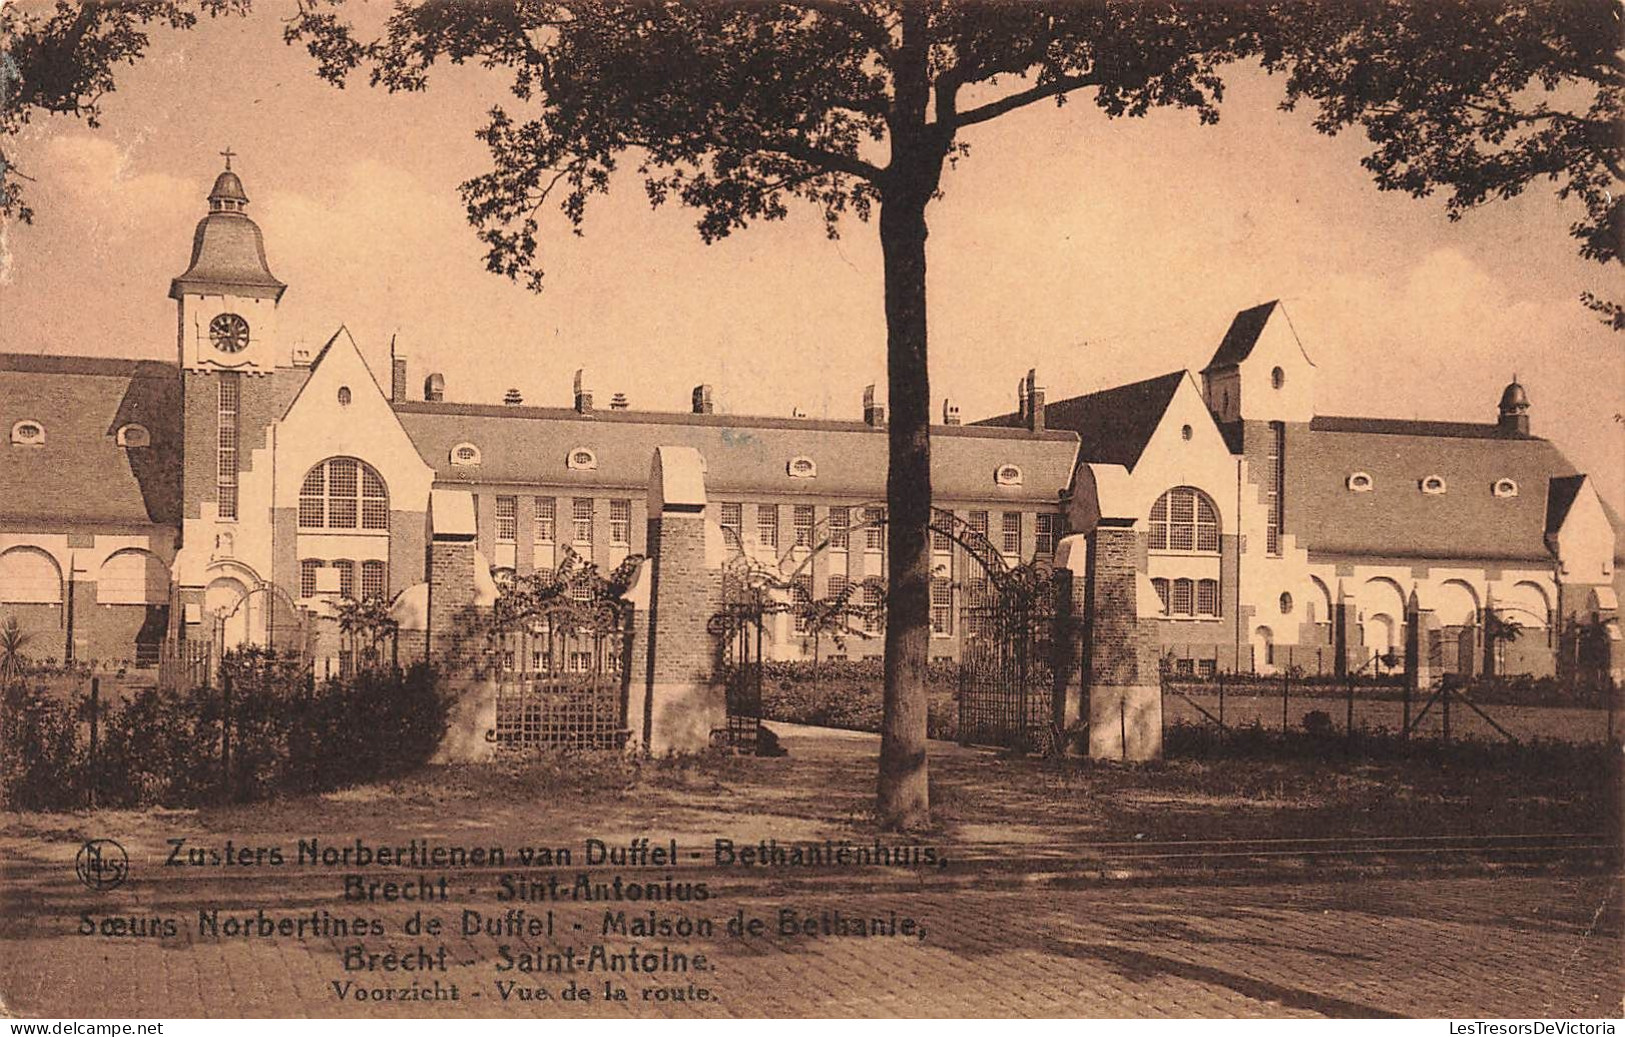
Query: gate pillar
{"points": [[1071, 643], [675, 702], [1125, 689], [457, 590]]}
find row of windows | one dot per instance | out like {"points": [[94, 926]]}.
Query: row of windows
{"points": [[1185, 597], [839, 528], [374, 577], [545, 527]]}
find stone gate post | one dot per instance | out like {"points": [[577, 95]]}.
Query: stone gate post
{"points": [[1125, 689], [676, 702]]}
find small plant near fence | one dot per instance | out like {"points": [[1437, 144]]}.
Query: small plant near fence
{"points": [[849, 695], [265, 727]]}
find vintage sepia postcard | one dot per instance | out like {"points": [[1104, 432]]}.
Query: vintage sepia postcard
{"points": [[622, 509]]}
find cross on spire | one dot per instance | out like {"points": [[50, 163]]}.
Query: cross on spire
{"points": [[226, 154]]}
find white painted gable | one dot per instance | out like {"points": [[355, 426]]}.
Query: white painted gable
{"points": [[1278, 346], [318, 426], [1585, 542]]}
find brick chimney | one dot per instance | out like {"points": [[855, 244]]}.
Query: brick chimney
{"points": [[397, 376], [703, 403], [950, 412], [618, 402], [434, 388], [1032, 401], [513, 398], [583, 392], [874, 415]]}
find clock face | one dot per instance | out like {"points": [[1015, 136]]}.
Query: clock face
{"points": [[229, 333]]}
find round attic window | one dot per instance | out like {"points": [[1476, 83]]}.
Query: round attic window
{"points": [[1505, 488], [581, 460], [1433, 484], [134, 435], [1277, 378], [344, 396], [465, 454], [28, 433], [1007, 475], [1185, 433], [802, 468], [1360, 482]]}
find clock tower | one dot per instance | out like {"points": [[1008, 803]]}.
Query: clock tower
{"points": [[226, 301]]}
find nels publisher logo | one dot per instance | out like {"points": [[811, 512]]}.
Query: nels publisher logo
{"points": [[102, 864]]}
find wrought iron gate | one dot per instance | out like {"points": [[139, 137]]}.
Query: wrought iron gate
{"points": [[560, 682], [1007, 683], [739, 627]]}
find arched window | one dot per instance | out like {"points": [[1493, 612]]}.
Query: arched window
{"points": [[29, 576], [1184, 519], [132, 577], [343, 493]]}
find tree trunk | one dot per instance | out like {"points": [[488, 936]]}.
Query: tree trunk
{"points": [[904, 802]]}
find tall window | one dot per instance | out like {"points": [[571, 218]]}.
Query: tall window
{"points": [[1044, 535], [1184, 519], [1182, 599], [767, 525], [547, 520], [374, 579], [1160, 584], [840, 521], [941, 543], [346, 570], [226, 469], [581, 520], [620, 523], [1207, 597], [978, 522], [1276, 465], [801, 594], [874, 533], [507, 520], [942, 608], [837, 584], [307, 577], [802, 518], [1011, 533], [343, 493], [732, 520], [873, 620]]}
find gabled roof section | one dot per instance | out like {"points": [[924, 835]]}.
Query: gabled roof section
{"points": [[80, 476], [1560, 496], [1243, 335], [1113, 425], [1407, 427]]}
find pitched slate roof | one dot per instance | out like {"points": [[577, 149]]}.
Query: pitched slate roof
{"points": [[80, 475], [1560, 499], [1242, 336], [744, 455], [1395, 518], [1113, 425]]}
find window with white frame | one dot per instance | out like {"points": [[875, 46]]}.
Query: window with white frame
{"points": [[767, 525], [1045, 529], [874, 532], [978, 523], [28, 433], [545, 530], [507, 520], [801, 587], [581, 520], [840, 521], [374, 579], [732, 520], [802, 521], [1184, 519], [942, 608], [620, 523], [941, 543], [1010, 533], [343, 493]]}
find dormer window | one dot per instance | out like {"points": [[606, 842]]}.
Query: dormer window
{"points": [[1360, 482], [581, 460], [1505, 488], [1433, 484], [28, 433], [802, 468], [133, 435], [465, 454], [1007, 475]]}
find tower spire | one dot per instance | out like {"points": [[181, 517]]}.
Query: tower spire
{"points": [[227, 154]]}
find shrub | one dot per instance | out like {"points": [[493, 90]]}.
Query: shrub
{"points": [[41, 767], [850, 695]]}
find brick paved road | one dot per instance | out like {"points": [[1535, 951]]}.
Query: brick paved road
{"points": [[1545, 945]]}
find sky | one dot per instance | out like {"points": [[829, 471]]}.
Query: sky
{"points": [[1096, 250]]}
